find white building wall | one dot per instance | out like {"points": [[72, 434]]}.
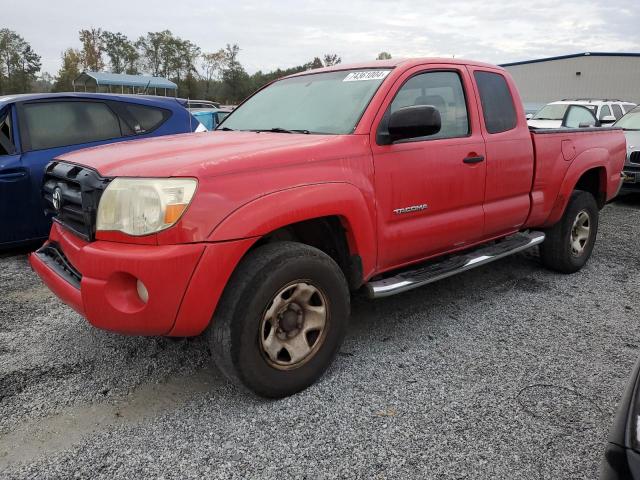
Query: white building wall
{"points": [[600, 77]]}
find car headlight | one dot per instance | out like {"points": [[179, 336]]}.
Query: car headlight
{"points": [[140, 206]]}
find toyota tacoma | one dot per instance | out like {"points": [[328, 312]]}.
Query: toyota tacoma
{"points": [[382, 177]]}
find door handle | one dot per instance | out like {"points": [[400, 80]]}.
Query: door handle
{"points": [[11, 177], [476, 159]]}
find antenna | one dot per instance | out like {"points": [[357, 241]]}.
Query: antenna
{"points": [[144, 92]]}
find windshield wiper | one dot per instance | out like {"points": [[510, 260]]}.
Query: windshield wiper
{"points": [[543, 118], [226, 129], [283, 130]]}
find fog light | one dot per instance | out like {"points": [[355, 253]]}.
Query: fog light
{"points": [[142, 291]]}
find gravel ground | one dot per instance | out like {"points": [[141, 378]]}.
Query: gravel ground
{"points": [[508, 371]]}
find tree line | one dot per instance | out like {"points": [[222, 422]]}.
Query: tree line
{"points": [[217, 75]]}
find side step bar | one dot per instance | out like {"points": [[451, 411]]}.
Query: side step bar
{"points": [[437, 270]]}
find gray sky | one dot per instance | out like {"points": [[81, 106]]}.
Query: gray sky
{"points": [[284, 33]]}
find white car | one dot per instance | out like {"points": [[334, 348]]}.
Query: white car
{"points": [[606, 111]]}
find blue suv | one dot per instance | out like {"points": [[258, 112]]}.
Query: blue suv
{"points": [[35, 128]]}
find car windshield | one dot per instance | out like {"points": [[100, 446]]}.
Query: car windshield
{"points": [[330, 102], [631, 121], [554, 111]]}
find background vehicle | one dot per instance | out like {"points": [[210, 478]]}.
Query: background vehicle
{"points": [[606, 111], [210, 118], [387, 176], [36, 128], [622, 455], [196, 104], [630, 124]]}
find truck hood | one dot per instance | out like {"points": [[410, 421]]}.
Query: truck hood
{"points": [[202, 154]]}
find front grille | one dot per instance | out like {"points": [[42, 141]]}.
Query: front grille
{"points": [[71, 195], [634, 157], [53, 256]]}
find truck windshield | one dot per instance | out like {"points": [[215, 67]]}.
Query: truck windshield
{"points": [[330, 102], [631, 121]]}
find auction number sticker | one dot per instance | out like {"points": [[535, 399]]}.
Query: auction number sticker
{"points": [[366, 75]]}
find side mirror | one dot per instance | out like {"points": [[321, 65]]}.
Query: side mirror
{"points": [[578, 116], [529, 116], [413, 122], [608, 119]]}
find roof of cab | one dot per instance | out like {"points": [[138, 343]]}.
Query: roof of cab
{"points": [[395, 62]]}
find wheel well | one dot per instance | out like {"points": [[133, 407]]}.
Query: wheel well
{"points": [[327, 234], [594, 181]]}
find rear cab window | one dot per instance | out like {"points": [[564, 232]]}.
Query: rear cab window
{"points": [[65, 123], [498, 109]]}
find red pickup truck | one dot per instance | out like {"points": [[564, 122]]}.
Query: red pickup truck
{"points": [[382, 176]]}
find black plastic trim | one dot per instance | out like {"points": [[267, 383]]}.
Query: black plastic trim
{"points": [[53, 256], [81, 189]]}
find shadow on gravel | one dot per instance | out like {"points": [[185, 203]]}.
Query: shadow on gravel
{"points": [[628, 200]]}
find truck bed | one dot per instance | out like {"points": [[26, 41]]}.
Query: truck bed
{"points": [[561, 157]]}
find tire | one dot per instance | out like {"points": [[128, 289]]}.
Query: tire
{"points": [[559, 251], [250, 342]]}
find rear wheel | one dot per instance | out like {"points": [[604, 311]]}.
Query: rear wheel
{"points": [[569, 243], [281, 319]]}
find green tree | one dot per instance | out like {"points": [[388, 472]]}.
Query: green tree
{"points": [[235, 80], [69, 71], [212, 64], [331, 59], [19, 64], [122, 53], [92, 49], [315, 63], [384, 56]]}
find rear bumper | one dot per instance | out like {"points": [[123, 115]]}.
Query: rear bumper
{"points": [[184, 282]]}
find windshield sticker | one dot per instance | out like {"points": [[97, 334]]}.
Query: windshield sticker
{"points": [[366, 75]]}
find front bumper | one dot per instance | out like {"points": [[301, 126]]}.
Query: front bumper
{"points": [[630, 178], [99, 280]]}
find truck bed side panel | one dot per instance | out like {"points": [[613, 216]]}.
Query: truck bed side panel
{"points": [[561, 158]]}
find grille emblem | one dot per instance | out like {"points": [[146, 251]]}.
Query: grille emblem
{"points": [[57, 198]]}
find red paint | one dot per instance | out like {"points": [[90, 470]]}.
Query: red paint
{"points": [[250, 184]]}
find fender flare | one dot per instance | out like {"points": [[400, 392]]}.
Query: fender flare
{"points": [[587, 160], [278, 209]]}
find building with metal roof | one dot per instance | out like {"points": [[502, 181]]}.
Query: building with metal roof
{"points": [[598, 75], [123, 83]]}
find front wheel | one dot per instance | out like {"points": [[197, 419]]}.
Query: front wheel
{"points": [[281, 319], [569, 243]]}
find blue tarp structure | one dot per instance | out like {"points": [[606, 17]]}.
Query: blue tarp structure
{"points": [[120, 82]]}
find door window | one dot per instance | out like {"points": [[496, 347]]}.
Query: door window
{"points": [[141, 119], [605, 111], [497, 103], [442, 90], [617, 110], [578, 116], [58, 124], [6, 133]]}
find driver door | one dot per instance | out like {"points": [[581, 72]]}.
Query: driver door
{"points": [[14, 183], [430, 190]]}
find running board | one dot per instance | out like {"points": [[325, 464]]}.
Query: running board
{"points": [[434, 271]]}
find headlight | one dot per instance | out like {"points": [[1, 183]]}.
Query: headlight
{"points": [[140, 206]]}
